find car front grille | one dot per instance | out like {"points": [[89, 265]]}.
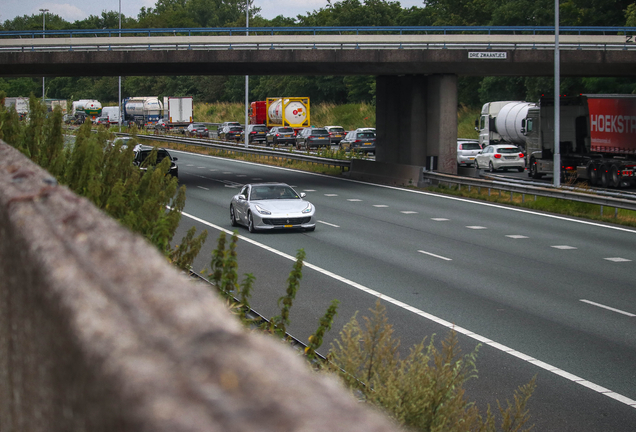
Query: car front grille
{"points": [[287, 221]]}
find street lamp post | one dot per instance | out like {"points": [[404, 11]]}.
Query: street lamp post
{"points": [[120, 113], [247, 78], [557, 102], [44, 11]]}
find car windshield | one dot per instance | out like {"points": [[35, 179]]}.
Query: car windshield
{"points": [[260, 128], [508, 150], [273, 192], [366, 135], [337, 130], [236, 129], [285, 130], [469, 146], [319, 132]]}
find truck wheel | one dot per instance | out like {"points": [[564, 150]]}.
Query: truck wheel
{"points": [[615, 177], [605, 177], [593, 174]]}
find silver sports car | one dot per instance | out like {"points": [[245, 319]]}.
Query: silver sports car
{"points": [[267, 206]]}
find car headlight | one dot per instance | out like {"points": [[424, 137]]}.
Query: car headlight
{"points": [[261, 210], [308, 209]]}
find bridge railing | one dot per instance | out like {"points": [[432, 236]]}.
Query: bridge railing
{"points": [[320, 41], [340, 30]]}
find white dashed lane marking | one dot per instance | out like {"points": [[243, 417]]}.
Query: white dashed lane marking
{"points": [[618, 259], [476, 227], [516, 236], [354, 200], [331, 195], [327, 223], [380, 205], [440, 219], [563, 247], [434, 255], [608, 308], [408, 212]]}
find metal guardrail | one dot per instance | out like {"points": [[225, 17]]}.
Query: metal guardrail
{"points": [[319, 42], [574, 194], [603, 199], [340, 30], [344, 165]]}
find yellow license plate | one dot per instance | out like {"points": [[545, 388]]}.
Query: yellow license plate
{"points": [[288, 226], [367, 143]]}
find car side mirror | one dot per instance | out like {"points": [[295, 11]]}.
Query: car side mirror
{"points": [[242, 197], [175, 158], [303, 194]]}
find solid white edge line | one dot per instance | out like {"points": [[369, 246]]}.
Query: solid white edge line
{"points": [[433, 255], [599, 389], [608, 308]]}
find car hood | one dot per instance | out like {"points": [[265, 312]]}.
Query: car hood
{"points": [[282, 205]]}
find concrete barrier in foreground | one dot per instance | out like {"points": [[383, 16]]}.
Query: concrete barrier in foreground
{"points": [[99, 333]]}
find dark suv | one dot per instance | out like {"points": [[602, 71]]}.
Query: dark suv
{"points": [[256, 133], [280, 135], [142, 152], [361, 141], [312, 137]]}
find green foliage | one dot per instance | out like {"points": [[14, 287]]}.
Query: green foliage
{"points": [[183, 255], [315, 340], [424, 391], [101, 172], [280, 322], [229, 278]]}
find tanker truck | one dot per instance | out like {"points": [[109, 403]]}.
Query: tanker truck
{"points": [[276, 111], [501, 122], [86, 108], [145, 111], [597, 139]]}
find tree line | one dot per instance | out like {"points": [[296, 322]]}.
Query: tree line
{"points": [[473, 91]]}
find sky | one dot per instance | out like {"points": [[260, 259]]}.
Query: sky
{"points": [[73, 10]]}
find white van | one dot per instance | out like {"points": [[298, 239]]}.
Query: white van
{"points": [[112, 112]]}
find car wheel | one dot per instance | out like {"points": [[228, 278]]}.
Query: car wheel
{"points": [[476, 164], [250, 223], [233, 217], [490, 167]]}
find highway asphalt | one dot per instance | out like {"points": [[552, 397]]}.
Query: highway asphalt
{"points": [[543, 295]]}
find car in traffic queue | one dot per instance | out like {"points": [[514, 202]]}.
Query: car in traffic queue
{"points": [[500, 157], [231, 133], [256, 133], [280, 135], [197, 130], [467, 149], [143, 160], [312, 137], [102, 121], [272, 206], [360, 141], [336, 133]]}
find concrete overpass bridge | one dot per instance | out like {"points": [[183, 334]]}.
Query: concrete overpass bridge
{"points": [[416, 68]]}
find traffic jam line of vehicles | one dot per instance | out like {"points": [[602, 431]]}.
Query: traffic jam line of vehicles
{"points": [[597, 140]]}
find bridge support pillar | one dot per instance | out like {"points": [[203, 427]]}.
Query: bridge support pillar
{"points": [[416, 118]]}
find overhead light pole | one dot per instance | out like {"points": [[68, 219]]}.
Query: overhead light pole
{"points": [[247, 78], [119, 99], [44, 11], [557, 102]]}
